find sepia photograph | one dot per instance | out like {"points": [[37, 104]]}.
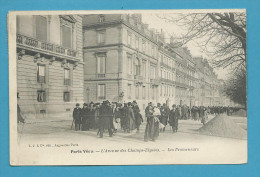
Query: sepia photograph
{"points": [[128, 87]]}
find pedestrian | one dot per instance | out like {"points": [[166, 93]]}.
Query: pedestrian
{"points": [[164, 116], [130, 118], [137, 115], [19, 115], [173, 119], [77, 117], [84, 115], [150, 125], [106, 116], [91, 116]]}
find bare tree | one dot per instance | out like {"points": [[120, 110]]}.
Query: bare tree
{"points": [[221, 35]]}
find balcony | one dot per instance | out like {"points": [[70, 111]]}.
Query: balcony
{"points": [[44, 47], [155, 82]]}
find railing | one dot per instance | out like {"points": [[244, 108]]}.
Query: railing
{"points": [[45, 46], [138, 77], [155, 82]]}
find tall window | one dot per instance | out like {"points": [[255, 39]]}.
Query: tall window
{"points": [[101, 91], [136, 42], [144, 93], [137, 66], [66, 32], [66, 77], [137, 92], [144, 68], [101, 37], [129, 65], [41, 96], [101, 64], [152, 72], [129, 91], [41, 73], [129, 38], [144, 46], [161, 90], [66, 96], [41, 27]]}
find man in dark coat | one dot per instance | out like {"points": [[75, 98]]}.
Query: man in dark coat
{"points": [[77, 117], [123, 117], [106, 115], [150, 126], [84, 115], [137, 115], [178, 116], [91, 116], [164, 116], [173, 119]]}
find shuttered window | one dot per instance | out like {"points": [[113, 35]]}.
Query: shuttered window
{"points": [[66, 96], [66, 77], [101, 91], [41, 74], [66, 36], [101, 64], [41, 28], [41, 96]]}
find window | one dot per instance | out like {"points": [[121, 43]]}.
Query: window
{"points": [[161, 73], [137, 92], [152, 72], [41, 73], [129, 64], [144, 92], [101, 37], [101, 18], [101, 64], [129, 91], [129, 38], [66, 96], [66, 77], [144, 68], [41, 28], [66, 32], [101, 91], [137, 67], [144, 46], [136, 42], [161, 90], [41, 96]]}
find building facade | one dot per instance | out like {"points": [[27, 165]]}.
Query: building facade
{"points": [[49, 63], [122, 59], [126, 61]]}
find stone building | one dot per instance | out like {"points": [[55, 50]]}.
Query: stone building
{"points": [[49, 64], [126, 61], [121, 56]]}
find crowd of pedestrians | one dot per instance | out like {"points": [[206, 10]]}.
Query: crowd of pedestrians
{"points": [[112, 116]]}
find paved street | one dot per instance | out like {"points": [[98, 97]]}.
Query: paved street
{"points": [[61, 129]]}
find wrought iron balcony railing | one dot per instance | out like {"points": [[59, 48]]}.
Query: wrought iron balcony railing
{"points": [[44, 46]]}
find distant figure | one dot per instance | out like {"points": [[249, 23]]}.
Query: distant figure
{"points": [[84, 115], [77, 117], [138, 116], [19, 116], [173, 119]]}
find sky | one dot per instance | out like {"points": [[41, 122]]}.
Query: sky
{"points": [[170, 28]]}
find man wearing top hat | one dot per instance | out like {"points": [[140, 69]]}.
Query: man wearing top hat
{"points": [[77, 117], [84, 115]]}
